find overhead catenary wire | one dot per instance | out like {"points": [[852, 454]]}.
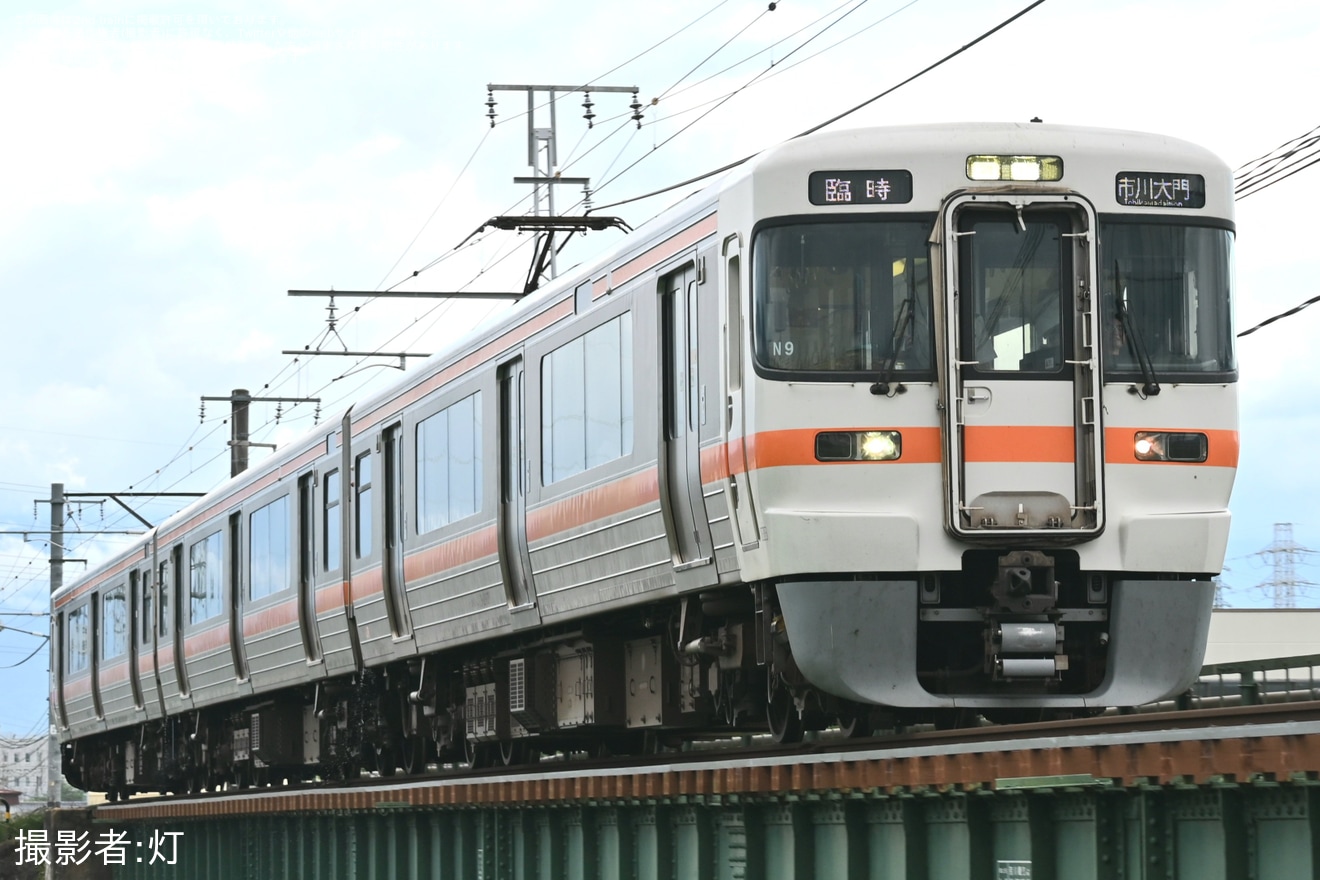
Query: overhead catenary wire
{"points": [[844, 114], [1279, 164], [275, 380], [221, 453]]}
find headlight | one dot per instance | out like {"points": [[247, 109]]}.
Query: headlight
{"points": [[1014, 168], [1170, 446], [859, 446]]}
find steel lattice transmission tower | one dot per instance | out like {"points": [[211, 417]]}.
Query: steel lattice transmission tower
{"points": [[1284, 554]]}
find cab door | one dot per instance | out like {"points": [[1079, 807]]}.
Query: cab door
{"points": [[1023, 436]]}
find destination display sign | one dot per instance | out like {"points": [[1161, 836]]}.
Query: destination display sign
{"points": [[860, 187], [1159, 189]]}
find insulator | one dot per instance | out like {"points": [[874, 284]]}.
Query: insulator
{"points": [[490, 107], [203, 413], [587, 105], [586, 198], [636, 106]]}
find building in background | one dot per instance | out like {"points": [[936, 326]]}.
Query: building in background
{"points": [[23, 766], [1239, 634]]}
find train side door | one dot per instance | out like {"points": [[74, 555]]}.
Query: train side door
{"points": [[174, 614], [153, 589], [515, 558], [306, 531], [94, 651], [235, 586], [682, 495], [391, 563], [736, 441], [137, 646], [1024, 438]]}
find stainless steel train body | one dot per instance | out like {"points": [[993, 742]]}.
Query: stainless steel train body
{"points": [[935, 419]]}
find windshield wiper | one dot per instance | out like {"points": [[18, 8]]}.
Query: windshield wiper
{"points": [[1149, 384], [901, 323]]}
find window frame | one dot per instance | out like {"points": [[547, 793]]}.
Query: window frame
{"points": [[106, 650], [755, 322], [216, 534], [627, 409], [1111, 373], [76, 640], [285, 528], [419, 500]]}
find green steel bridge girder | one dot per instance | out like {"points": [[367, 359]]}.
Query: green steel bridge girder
{"points": [[1261, 831]]}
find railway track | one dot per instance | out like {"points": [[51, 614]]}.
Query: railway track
{"points": [[1239, 743]]}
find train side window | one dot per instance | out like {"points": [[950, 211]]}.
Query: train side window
{"points": [[270, 555], [587, 401], [331, 525], [147, 605], [114, 617], [163, 618], [362, 509], [78, 656], [449, 464], [206, 563]]}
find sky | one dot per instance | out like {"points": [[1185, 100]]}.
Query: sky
{"points": [[173, 169]]}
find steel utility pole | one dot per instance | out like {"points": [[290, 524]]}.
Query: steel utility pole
{"points": [[53, 786], [58, 497], [239, 400], [541, 143]]}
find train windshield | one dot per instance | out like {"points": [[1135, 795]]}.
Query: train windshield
{"points": [[847, 299], [1166, 295]]}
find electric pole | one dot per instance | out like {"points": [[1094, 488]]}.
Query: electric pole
{"points": [[543, 153], [53, 763], [239, 443]]}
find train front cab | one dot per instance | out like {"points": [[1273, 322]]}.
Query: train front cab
{"points": [[1078, 514]]}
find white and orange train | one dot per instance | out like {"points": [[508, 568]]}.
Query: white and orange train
{"points": [[888, 426]]}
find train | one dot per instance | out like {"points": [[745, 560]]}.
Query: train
{"points": [[929, 424]]}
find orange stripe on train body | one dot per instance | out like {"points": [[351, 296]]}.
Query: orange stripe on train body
{"points": [[451, 554], [1222, 446], [665, 249], [207, 640], [1020, 443], [276, 616], [594, 504], [797, 447], [368, 583], [113, 673]]}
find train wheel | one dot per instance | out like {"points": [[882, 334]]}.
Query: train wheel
{"points": [[514, 752], [383, 758], [855, 721], [781, 713], [414, 754], [477, 754]]}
